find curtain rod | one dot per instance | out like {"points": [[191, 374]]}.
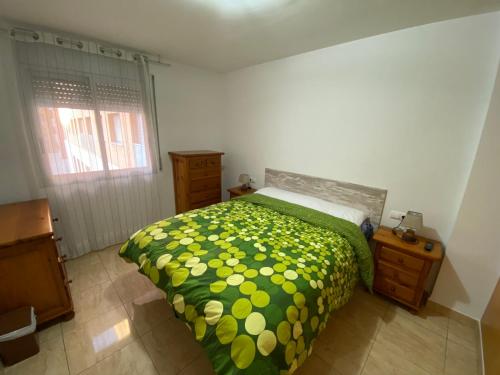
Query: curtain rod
{"points": [[72, 42]]}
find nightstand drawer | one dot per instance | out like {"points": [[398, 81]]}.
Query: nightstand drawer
{"points": [[393, 289], [405, 278], [401, 259]]}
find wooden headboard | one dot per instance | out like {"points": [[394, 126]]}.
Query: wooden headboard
{"points": [[368, 199]]}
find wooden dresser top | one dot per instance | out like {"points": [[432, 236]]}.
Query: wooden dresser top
{"points": [[194, 153], [24, 221], [385, 236]]}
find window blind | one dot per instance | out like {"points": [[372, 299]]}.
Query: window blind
{"points": [[62, 92], [117, 97]]}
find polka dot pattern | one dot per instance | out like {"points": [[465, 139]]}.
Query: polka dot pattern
{"points": [[252, 285], [255, 323], [241, 308], [266, 342], [235, 279], [198, 269], [226, 330], [213, 312], [243, 351], [260, 298]]}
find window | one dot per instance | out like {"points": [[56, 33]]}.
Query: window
{"points": [[88, 125], [67, 145], [115, 128], [124, 147], [77, 138], [137, 131]]}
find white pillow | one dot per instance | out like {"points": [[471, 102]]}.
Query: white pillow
{"points": [[347, 213]]}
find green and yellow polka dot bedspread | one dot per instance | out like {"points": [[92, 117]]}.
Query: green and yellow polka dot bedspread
{"points": [[254, 278]]}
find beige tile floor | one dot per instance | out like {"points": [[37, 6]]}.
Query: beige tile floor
{"points": [[123, 325]]}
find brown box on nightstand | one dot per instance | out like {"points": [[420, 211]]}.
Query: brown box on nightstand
{"points": [[402, 269]]}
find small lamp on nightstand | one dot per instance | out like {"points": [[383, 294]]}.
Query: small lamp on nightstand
{"points": [[245, 180], [412, 223]]}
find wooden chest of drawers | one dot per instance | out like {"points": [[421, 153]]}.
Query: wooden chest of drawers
{"points": [[197, 179], [32, 272], [402, 269]]}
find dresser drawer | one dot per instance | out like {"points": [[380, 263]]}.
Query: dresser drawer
{"points": [[204, 203], [204, 196], [213, 162], [204, 184], [405, 278], [197, 163], [403, 260], [394, 289], [195, 174]]}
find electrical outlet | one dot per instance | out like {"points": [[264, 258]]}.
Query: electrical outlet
{"points": [[397, 215]]}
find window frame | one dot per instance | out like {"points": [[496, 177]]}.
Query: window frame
{"points": [[101, 140]]}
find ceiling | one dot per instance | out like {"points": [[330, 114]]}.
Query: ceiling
{"points": [[225, 35]]}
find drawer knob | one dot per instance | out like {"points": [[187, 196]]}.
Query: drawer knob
{"points": [[55, 219]]}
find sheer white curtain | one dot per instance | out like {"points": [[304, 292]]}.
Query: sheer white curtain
{"points": [[91, 130]]}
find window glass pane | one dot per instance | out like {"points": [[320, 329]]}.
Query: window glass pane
{"points": [[70, 140], [115, 128], [125, 140]]}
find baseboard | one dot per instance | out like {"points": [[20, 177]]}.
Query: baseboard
{"points": [[455, 311]]}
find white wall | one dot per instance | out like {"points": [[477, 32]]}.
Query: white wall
{"points": [[402, 111], [190, 115], [469, 275]]}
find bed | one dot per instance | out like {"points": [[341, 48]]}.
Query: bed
{"points": [[257, 278]]}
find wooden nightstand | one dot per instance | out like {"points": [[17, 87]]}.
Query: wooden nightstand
{"points": [[402, 269], [238, 192]]}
